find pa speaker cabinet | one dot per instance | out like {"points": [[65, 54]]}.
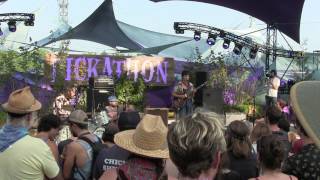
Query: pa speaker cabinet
{"points": [[163, 112]]}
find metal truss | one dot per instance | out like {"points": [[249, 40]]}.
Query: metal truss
{"points": [[180, 27], [16, 17]]}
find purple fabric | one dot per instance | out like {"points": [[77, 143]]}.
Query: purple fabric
{"points": [[159, 98], [286, 14]]}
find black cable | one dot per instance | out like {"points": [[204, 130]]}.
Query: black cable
{"points": [[286, 40], [292, 57], [253, 32], [248, 62]]}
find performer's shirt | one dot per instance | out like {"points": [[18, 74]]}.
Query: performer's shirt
{"points": [[273, 92], [181, 88], [58, 104]]}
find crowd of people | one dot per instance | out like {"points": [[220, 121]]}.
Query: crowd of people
{"points": [[135, 147]]}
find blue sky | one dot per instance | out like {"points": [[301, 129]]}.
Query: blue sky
{"points": [[157, 16]]}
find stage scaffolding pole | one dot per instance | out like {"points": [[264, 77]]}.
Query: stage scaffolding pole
{"points": [[271, 46]]}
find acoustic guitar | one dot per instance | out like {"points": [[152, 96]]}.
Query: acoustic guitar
{"points": [[180, 102]]}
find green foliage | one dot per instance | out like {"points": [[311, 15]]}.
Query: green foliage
{"points": [[130, 92], [13, 61], [219, 75], [3, 117]]}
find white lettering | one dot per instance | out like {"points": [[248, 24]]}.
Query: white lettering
{"points": [[162, 72], [151, 69]]}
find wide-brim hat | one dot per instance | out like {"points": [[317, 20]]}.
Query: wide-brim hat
{"points": [[21, 101], [148, 139], [305, 99]]}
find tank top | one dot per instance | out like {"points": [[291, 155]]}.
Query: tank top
{"points": [[84, 172]]}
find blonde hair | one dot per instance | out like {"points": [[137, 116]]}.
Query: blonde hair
{"points": [[194, 141]]}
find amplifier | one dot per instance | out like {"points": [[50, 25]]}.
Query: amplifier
{"points": [[101, 82]]}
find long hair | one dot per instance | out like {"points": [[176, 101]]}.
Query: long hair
{"points": [[238, 142]]}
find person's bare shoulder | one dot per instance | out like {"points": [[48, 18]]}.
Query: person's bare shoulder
{"points": [[74, 146]]}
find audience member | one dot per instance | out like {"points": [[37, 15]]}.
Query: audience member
{"points": [[297, 146], [273, 117], [240, 152], [271, 154], [284, 124], [115, 156], [305, 99], [112, 108], [305, 163], [48, 130], [78, 157], [22, 156], [195, 146], [107, 137], [259, 130], [148, 146]]}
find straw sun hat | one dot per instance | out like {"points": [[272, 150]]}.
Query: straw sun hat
{"points": [[305, 99], [21, 101], [148, 139]]}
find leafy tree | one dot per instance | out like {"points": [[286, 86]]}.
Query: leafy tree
{"points": [[129, 91]]}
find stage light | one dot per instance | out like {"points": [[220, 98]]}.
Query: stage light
{"points": [[290, 54], [253, 52], [197, 35], [179, 31], [237, 49], [12, 26], [29, 22], [222, 34], [211, 39], [226, 44], [177, 28]]}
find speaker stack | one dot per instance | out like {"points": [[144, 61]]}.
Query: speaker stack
{"points": [[100, 88]]}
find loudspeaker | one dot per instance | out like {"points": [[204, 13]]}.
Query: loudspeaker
{"points": [[163, 112], [96, 99], [201, 77]]}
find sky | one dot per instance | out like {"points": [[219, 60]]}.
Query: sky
{"points": [[157, 17]]}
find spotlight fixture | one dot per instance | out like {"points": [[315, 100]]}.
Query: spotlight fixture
{"points": [[29, 22], [253, 52], [222, 34], [211, 39], [12, 26], [226, 44], [197, 35], [179, 31], [237, 48], [177, 28]]}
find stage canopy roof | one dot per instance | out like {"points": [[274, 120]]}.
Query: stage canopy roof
{"points": [[101, 27], [284, 14]]}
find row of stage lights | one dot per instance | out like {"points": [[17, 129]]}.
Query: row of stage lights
{"points": [[12, 25], [13, 18], [212, 39]]}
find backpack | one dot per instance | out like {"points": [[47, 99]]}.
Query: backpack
{"points": [[96, 148]]}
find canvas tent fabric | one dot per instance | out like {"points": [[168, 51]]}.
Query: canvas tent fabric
{"points": [[284, 14], [101, 27]]}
